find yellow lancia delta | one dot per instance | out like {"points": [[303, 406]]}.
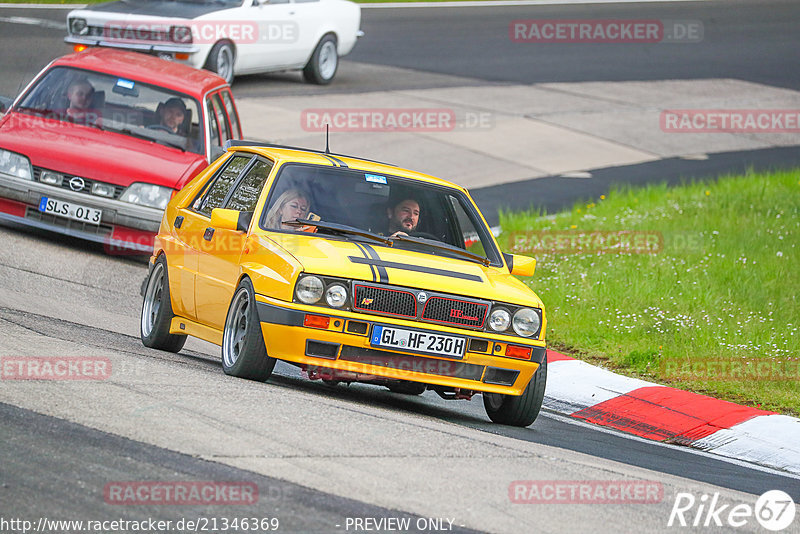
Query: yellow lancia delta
{"points": [[352, 270]]}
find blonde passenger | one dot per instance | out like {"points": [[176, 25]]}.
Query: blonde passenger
{"points": [[290, 205]]}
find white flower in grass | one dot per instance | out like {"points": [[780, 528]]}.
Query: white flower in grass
{"points": [[780, 254]]}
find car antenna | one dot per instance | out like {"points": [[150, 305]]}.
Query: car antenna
{"points": [[327, 146]]}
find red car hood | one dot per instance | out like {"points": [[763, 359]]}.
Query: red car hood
{"points": [[96, 154]]}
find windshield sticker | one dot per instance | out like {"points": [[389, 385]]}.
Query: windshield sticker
{"points": [[125, 84], [374, 178]]}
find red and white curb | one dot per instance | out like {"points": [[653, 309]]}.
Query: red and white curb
{"points": [[671, 415]]}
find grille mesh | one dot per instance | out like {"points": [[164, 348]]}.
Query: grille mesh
{"points": [[128, 33], [389, 301], [455, 312]]}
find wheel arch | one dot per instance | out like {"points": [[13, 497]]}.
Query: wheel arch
{"points": [[322, 35]]}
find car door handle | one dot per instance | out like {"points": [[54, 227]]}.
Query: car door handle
{"points": [[208, 234], [178, 221]]}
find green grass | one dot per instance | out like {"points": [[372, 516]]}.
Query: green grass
{"points": [[722, 290]]}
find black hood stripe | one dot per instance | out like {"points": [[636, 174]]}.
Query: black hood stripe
{"points": [[416, 268], [366, 256], [383, 276]]}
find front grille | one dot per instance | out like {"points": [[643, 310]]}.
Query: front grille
{"points": [[87, 183], [118, 32], [36, 215], [403, 363], [455, 312], [402, 302], [385, 301]]}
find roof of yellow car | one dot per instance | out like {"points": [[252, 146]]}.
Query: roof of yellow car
{"points": [[283, 154]]}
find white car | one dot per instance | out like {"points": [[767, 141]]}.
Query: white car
{"points": [[228, 37]]}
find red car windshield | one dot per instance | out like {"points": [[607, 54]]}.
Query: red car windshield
{"points": [[117, 104]]}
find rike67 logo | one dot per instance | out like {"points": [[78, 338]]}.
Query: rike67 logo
{"points": [[774, 511]]}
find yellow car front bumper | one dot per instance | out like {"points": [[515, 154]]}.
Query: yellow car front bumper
{"points": [[328, 339]]}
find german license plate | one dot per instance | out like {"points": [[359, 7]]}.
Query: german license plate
{"points": [[418, 341], [70, 210]]}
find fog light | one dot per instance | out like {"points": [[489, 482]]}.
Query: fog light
{"points": [[103, 190], [50, 178]]}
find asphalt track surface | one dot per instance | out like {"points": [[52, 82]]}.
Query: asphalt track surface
{"points": [[44, 466]]}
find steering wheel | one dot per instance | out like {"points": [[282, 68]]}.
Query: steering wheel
{"points": [[424, 235], [160, 127]]}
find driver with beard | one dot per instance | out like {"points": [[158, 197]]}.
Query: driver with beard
{"points": [[403, 217]]}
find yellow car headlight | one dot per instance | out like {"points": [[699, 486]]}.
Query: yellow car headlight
{"points": [[309, 289]]}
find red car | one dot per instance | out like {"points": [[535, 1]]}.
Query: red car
{"points": [[99, 142]]}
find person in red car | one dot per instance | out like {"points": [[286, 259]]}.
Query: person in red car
{"points": [[79, 95], [171, 115]]}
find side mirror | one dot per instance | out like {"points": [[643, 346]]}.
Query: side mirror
{"points": [[223, 219], [520, 265]]}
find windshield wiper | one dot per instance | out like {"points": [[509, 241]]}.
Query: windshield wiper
{"points": [[444, 246], [343, 229]]}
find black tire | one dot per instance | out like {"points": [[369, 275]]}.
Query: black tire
{"points": [[324, 62], [157, 311], [244, 354], [522, 410], [221, 59], [408, 388]]}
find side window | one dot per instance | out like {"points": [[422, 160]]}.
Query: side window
{"points": [[212, 122], [222, 120], [236, 130], [245, 195], [223, 182], [469, 238]]}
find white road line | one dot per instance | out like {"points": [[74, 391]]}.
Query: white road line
{"points": [[35, 22]]}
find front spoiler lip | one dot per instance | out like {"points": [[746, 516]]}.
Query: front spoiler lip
{"points": [[115, 212]]}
